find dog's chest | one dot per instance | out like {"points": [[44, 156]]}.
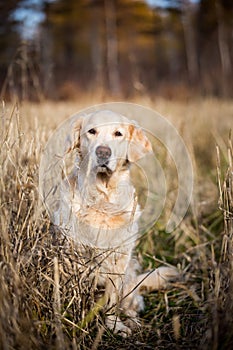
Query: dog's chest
{"points": [[100, 217], [104, 224], [105, 207], [104, 214]]}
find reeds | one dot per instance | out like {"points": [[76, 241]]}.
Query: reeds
{"points": [[48, 301]]}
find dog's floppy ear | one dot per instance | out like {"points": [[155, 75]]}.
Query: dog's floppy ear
{"points": [[139, 145], [73, 142]]}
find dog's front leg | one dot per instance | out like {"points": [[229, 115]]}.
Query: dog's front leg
{"points": [[132, 302], [114, 294]]}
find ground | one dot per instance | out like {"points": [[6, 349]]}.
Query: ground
{"points": [[46, 303]]}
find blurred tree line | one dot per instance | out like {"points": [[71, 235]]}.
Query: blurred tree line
{"points": [[117, 47]]}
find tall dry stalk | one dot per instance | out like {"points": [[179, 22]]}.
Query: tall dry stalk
{"points": [[226, 203], [46, 301], [222, 318]]}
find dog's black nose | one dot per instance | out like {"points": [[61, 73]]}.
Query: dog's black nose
{"points": [[103, 153]]}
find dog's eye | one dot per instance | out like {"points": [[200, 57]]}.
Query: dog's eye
{"points": [[118, 133], [92, 131]]}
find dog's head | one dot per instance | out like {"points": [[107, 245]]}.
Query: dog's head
{"points": [[109, 141]]}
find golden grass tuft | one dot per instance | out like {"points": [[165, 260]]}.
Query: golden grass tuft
{"points": [[46, 301]]}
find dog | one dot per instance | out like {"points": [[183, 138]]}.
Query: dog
{"points": [[99, 210]]}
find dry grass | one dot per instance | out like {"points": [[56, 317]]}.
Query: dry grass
{"points": [[46, 302]]}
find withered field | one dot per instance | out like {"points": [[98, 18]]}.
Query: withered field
{"points": [[46, 303]]}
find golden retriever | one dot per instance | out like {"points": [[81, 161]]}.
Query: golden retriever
{"points": [[99, 210]]}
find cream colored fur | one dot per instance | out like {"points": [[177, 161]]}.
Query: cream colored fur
{"points": [[99, 211]]}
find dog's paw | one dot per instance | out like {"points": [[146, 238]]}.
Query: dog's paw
{"points": [[132, 321], [117, 326], [157, 279]]}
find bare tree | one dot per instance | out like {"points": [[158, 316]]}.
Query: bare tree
{"points": [[97, 46], [112, 47], [223, 45], [190, 42]]}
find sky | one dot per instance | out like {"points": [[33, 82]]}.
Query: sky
{"points": [[30, 15], [163, 3], [160, 3]]}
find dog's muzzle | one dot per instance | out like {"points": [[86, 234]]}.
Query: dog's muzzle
{"points": [[103, 153]]}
